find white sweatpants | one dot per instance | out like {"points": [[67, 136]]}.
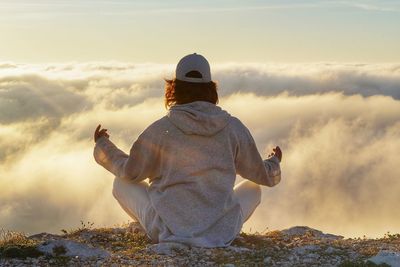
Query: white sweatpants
{"points": [[134, 199]]}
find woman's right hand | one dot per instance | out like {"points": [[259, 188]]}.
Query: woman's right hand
{"points": [[277, 152], [99, 133]]}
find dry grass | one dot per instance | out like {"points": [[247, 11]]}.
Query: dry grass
{"points": [[17, 245], [11, 238]]}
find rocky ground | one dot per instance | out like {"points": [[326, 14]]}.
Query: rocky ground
{"points": [[125, 246]]}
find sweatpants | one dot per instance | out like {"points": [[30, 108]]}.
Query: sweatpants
{"points": [[134, 199]]}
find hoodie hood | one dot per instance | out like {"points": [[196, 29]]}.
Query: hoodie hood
{"points": [[199, 117]]}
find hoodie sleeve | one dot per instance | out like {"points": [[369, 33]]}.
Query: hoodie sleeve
{"points": [[251, 166], [137, 166]]}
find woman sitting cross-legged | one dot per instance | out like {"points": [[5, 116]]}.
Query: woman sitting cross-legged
{"points": [[191, 157]]}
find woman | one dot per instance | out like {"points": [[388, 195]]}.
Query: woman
{"points": [[191, 157]]}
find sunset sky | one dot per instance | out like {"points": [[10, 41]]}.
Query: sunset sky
{"points": [[163, 31]]}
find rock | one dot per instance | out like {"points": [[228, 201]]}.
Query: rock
{"points": [[308, 260], [302, 230], [332, 250], [71, 249], [392, 258], [305, 249], [238, 249], [313, 256], [267, 260], [353, 255], [167, 248]]}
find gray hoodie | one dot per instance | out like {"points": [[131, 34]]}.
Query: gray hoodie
{"points": [[191, 157]]}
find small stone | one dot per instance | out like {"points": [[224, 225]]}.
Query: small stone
{"points": [[313, 256], [331, 250], [308, 260], [353, 255], [238, 249], [267, 260], [302, 250]]}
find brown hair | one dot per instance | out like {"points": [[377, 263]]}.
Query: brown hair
{"points": [[181, 92]]}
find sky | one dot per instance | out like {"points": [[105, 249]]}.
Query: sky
{"points": [[226, 31]]}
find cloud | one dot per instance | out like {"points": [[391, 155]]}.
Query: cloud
{"points": [[368, 5], [340, 169], [7, 65], [304, 79], [111, 8], [338, 126], [29, 97]]}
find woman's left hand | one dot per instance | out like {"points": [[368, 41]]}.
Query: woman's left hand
{"points": [[99, 133], [277, 152]]}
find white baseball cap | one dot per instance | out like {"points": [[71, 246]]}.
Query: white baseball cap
{"points": [[193, 63]]}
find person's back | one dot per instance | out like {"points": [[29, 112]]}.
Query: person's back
{"points": [[191, 156]]}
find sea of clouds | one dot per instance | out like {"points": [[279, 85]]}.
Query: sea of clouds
{"points": [[337, 124]]}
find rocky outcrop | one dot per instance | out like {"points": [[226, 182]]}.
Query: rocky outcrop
{"points": [[296, 246]]}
